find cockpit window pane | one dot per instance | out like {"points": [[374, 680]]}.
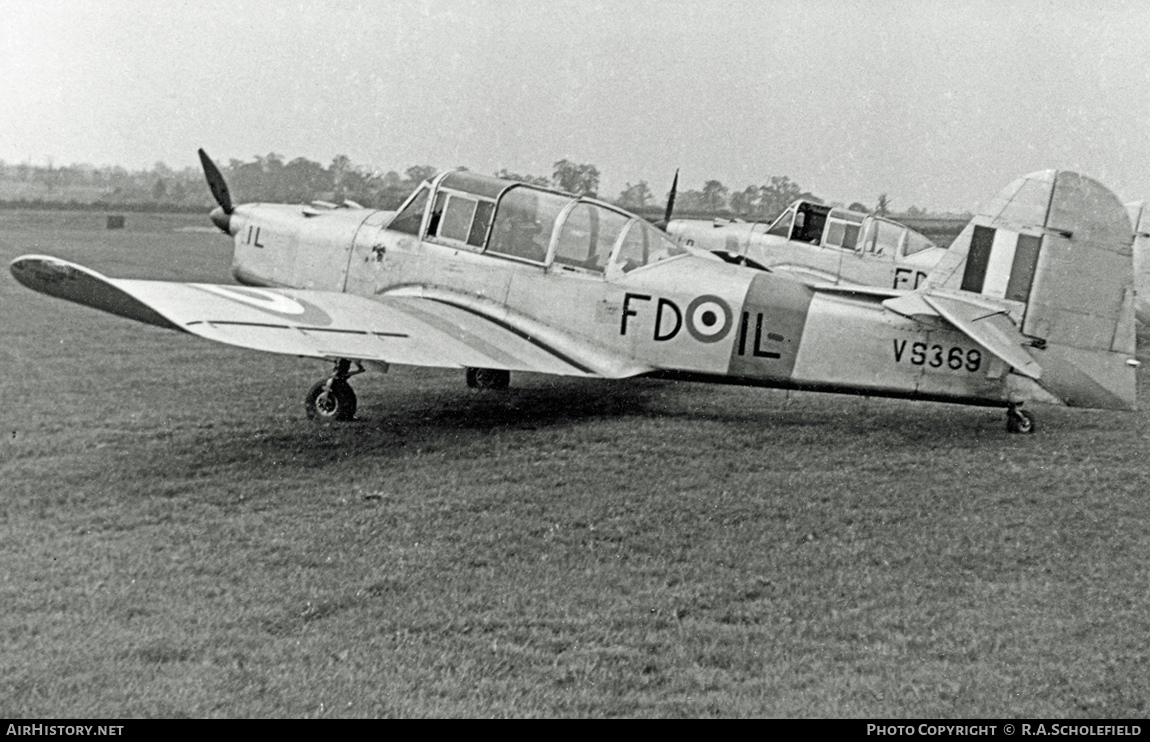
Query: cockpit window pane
{"points": [[524, 221], [851, 237], [457, 218], [835, 233], [633, 251], [644, 245], [436, 213], [782, 225], [410, 218], [842, 234], [809, 223], [587, 236], [885, 237], [916, 242], [480, 224]]}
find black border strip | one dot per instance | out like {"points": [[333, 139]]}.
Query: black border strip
{"points": [[300, 327]]}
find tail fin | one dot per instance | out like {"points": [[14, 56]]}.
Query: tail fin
{"points": [[1054, 250]]}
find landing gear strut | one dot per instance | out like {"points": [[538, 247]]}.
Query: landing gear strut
{"points": [[333, 398], [488, 378], [1019, 421]]}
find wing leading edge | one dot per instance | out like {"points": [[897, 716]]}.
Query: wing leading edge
{"points": [[417, 327]]}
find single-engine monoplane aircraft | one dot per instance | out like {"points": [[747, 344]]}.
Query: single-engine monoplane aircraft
{"points": [[1034, 301], [819, 244]]}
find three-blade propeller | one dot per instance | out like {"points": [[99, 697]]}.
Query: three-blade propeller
{"points": [[219, 187]]}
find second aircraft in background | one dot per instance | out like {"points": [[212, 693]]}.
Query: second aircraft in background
{"points": [[820, 244]]}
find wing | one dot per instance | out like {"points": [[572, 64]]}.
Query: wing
{"points": [[417, 326]]}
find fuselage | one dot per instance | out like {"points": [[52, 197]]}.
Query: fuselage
{"points": [[607, 279]]}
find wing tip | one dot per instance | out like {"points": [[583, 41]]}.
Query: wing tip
{"points": [[65, 280]]}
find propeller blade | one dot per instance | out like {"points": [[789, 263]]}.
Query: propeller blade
{"points": [[671, 199], [216, 183]]}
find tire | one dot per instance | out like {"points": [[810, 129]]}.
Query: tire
{"points": [[1020, 421], [488, 378], [330, 404]]}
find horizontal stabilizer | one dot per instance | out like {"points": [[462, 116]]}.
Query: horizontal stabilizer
{"points": [[911, 305], [990, 328]]}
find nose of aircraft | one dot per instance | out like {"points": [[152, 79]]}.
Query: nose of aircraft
{"points": [[221, 219]]}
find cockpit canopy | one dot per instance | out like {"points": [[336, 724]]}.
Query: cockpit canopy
{"points": [[529, 224], [816, 224]]}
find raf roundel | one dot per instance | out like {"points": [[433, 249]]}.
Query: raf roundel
{"points": [[268, 301], [709, 319], [272, 302]]}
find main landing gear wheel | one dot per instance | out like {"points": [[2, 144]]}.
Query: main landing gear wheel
{"points": [[333, 399], [1019, 421], [330, 400], [488, 378]]}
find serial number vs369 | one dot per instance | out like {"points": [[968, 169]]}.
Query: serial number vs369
{"points": [[954, 358]]}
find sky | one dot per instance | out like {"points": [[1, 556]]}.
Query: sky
{"points": [[938, 104]]}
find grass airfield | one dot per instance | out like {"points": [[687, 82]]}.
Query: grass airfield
{"points": [[179, 540]]}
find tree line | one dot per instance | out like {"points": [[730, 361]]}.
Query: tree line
{"points": [[274, 179]]}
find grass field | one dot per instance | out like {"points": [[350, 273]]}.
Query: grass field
{"points": [[176, 539]]}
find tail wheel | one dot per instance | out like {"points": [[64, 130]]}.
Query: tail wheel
{"points": [[330, 400], [488, 378], [1019, 421]]}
